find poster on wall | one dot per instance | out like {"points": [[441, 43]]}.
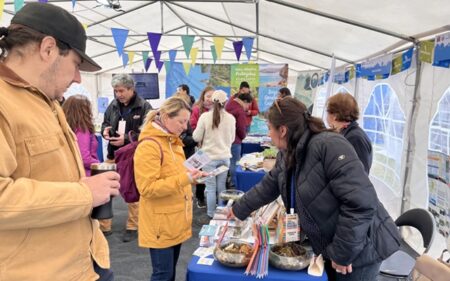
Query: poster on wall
{"points": [[307, 82], [439, 190]]}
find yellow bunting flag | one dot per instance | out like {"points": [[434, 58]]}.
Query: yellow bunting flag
{"points": [[2, 5], [85, 26], [219, 43], [187, 67], [193, 55], [130, 57]]}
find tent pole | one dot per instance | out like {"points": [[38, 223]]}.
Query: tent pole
{"points": [[260, 34], [257, 29], [162, 17], [411, 146], [344, 20]]}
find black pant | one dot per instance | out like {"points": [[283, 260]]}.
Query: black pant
{"points": [[200, 192], [105, 274]]}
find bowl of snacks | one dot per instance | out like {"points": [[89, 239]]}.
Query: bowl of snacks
{"points": [[233, 253], [231, 194], [289, 256]]}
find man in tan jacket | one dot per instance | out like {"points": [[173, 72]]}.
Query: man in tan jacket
{"points": [[46, 232]]}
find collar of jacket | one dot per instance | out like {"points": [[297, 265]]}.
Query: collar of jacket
{"points": [[241, 103], [10, 77], [350, 127], [156, 131], [302, 144]]}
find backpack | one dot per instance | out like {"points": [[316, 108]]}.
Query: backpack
{"points": [[125, 167]]}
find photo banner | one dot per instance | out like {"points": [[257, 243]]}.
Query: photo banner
{"points": [[306, 82], [379, 66], [273, 75]]}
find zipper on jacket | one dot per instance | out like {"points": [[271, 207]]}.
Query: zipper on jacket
{"points": [[171, 150]]}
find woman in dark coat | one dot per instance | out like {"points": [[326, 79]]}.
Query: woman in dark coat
{"points": [[319, 175], [342, 113]]}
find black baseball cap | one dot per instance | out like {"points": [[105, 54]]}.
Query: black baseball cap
{"points": [[60, 24]]}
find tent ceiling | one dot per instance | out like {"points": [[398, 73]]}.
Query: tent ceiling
{"points": [[285, 30]]}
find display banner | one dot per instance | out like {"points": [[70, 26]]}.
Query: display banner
{"points": [[306, 82], [426, 51], [245, 72], [266, 97], [442, 50], [379, 66]]}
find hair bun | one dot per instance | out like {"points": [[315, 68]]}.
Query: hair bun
{"points": [[3, 31]]}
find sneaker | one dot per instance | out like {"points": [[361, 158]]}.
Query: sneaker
{"points": [[201, 204], [129, 235], [107, 232]]}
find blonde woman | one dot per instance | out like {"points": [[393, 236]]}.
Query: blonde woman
{"points": [[165, 208], [216, 131]]}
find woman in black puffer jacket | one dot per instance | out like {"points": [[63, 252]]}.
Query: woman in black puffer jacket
{"points": [[336, 203]]}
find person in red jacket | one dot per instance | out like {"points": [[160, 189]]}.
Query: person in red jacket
{"points": [[253, 108], [237, 107]]}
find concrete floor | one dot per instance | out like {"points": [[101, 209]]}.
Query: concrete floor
{"points": [[131, 263]]}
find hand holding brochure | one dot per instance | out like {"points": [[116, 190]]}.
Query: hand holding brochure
{"points": [[213, 173], [197, 161]]}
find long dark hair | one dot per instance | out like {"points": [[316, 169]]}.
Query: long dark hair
{"points": [[78, 113], [216, 114], [293, 114]]}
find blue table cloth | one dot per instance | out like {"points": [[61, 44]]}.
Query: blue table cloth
{"points": [[248, 147], [247, 179], [218, 272]]}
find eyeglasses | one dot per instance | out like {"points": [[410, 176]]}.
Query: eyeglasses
{"points": [[278, 106]]}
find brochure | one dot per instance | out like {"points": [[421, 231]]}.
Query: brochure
{"points": [[197, 161]]}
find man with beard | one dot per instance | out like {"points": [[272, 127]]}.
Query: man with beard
{"points": [[45, 199]]}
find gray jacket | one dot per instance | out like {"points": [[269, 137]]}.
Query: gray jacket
{"points": [[336, 202]]}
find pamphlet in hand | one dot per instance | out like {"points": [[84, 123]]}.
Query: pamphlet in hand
{"points": [[213, 173], [197, 161]]}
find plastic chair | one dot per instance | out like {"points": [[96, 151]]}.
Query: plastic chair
{"points": [[400, 264]]}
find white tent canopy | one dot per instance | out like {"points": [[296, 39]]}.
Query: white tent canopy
{"points": [[302, 33]]}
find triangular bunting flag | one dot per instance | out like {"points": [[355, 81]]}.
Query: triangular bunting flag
{"points": [[248, 45], [157, 55], [73, 4], [18, 4], [130, 57], [2, 5], [147, 63], [187, 67], [153, 39], [219, 43], [172, 55], [213, 53], [124, 59], [188, 40], [237, 45], [85, 26], [168, 66], [120, 36], [144, 58], [159, 65], [194, 52]]}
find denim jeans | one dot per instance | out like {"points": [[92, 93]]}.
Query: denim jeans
{"points": [[235, 157], [215, 185], [363, 273], [164, 263], [105, 274]]}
